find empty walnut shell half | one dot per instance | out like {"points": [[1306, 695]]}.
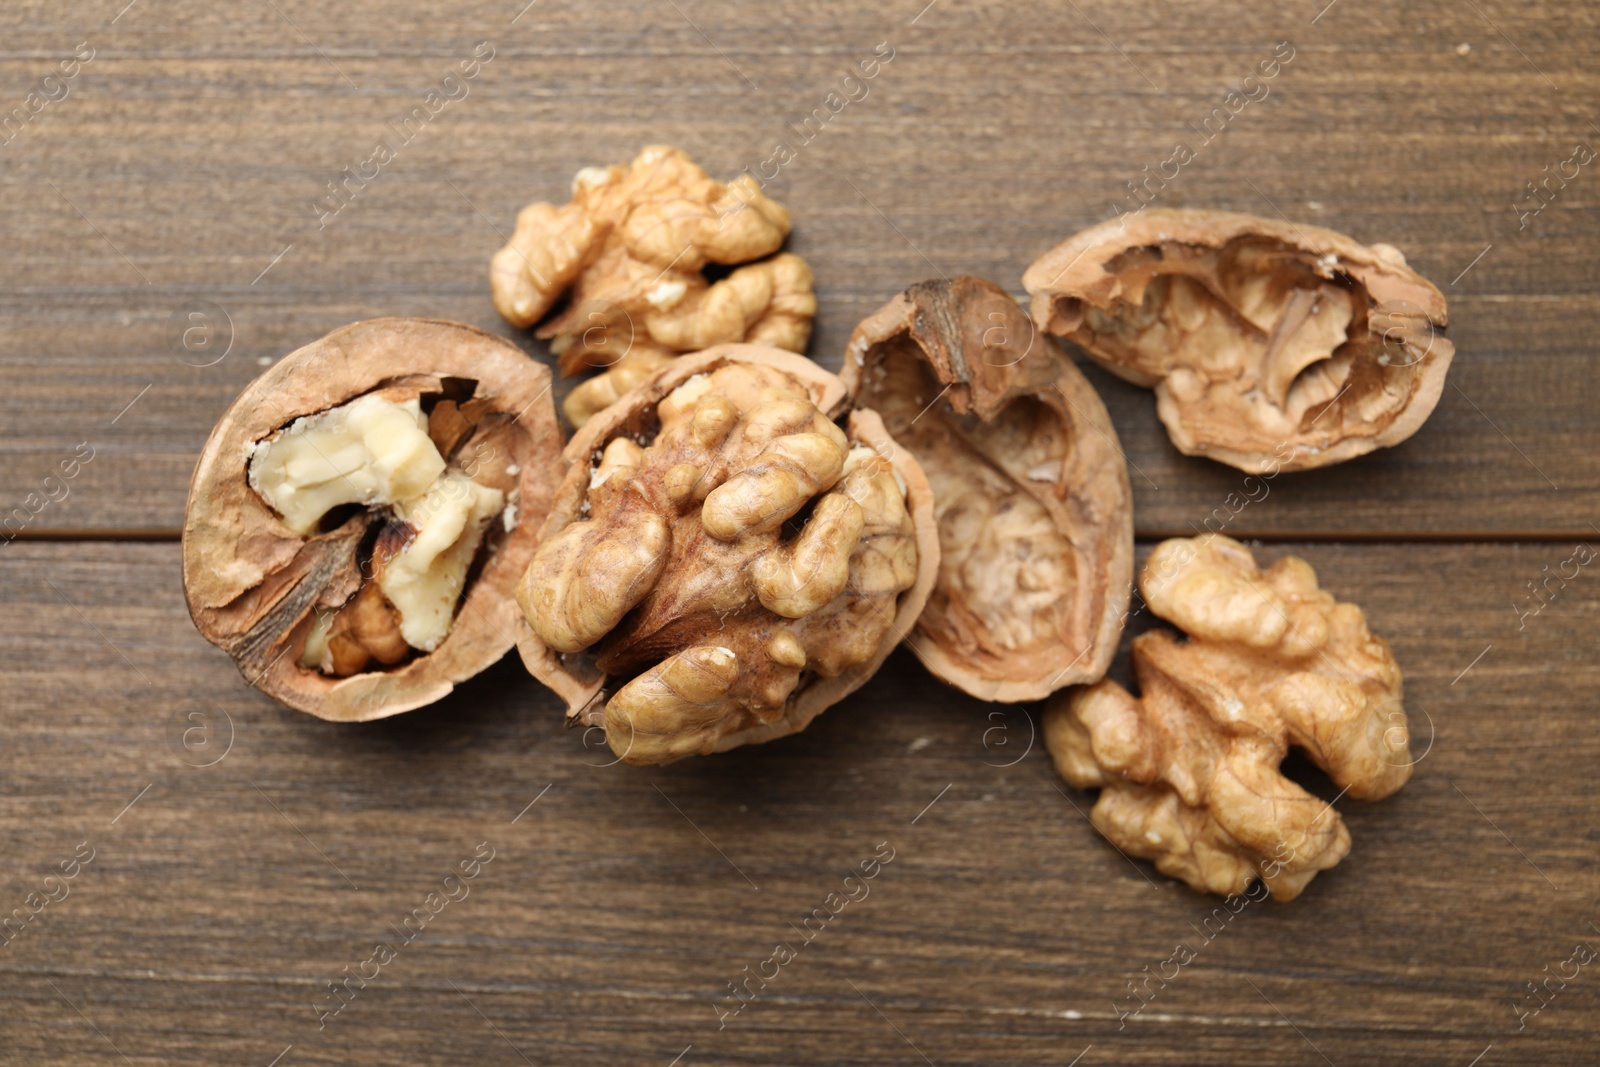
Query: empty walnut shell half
{"points": [[361, 514], [731, 552], [1270, 345], [1031, 488]]}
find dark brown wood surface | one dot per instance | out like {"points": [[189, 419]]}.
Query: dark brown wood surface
{"points": [[245, 855]]}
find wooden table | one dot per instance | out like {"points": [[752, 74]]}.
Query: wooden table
{"points": [[244, 855]]}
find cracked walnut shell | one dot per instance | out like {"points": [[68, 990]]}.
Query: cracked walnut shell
{"points": [[361, 513], [630, 253], [1270, 346], [723, 559], [1188, 772], [1031, 490]]}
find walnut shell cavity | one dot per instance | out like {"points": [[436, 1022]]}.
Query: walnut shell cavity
{"points": [[257, 589], [1032, 500], [1188, 771], [626, 261], [1270, 345], [732, 551]]}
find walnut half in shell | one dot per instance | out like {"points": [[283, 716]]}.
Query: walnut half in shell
{"points": [[1034, 511], [724, 560], [1271, 346], [360, 515]]}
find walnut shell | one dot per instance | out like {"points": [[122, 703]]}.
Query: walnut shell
{"points": [[664, 544], [1271, 346], [253, 585], [1034, 510]]}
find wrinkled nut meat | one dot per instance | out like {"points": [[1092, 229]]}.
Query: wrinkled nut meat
{"points": [[361, 514], [1188, 772], [1031, 491], [723, 560], [1271, 346], [630, 251]]}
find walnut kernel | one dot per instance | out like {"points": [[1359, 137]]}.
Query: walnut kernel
{"points": [[629, 252], [724, 560], [1188, 772]]}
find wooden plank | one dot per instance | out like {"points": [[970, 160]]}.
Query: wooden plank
{"points": [[176, 173], [1505, 453], [619, 906], [175, 176]]}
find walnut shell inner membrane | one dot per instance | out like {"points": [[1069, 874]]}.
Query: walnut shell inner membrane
{"points": [[1270, 345], [1030, 486]]}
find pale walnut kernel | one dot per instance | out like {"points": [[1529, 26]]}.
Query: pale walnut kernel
{"points": [[379, 453], [371, 451], [732, 549], [1188, 772], [443, 530], [629, 254]]}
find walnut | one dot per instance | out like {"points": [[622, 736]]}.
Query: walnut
{"points": [[724, 560], [1031, 491], [1271, 346], [630, 252], [1188, 772], [361, 514]]}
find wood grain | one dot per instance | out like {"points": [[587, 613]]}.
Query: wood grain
{"points": [[182, 163], [245, 855], [619, 906]]}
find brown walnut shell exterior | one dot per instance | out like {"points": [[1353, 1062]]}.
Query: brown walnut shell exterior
{"points": [[1265, 385], [575, 677], [252, 584], [963, 379]]}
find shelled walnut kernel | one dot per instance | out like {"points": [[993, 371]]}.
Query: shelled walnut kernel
{"points": [[1188, 772], [630, 254]]}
